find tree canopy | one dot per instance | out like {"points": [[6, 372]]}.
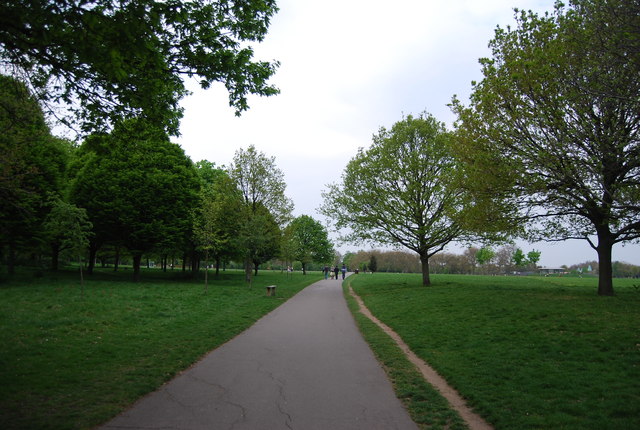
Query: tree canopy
{"points": [[310, 241], [266, 208], [138, 188], [108, 60], [401, 191], [553, 128], [32, 166]]}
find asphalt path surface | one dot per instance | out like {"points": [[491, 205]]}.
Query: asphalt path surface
{"points": [[303, 366]]}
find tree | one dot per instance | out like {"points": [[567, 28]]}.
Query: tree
{"points": [[138, 188], [69, 230], [261, 185], [519, 258], [534, 256], [310, 241], [485, 255], [373, 263], [218, 221], [32, 166], [260, 237], [401, 191], [552, 130], [110, 60]]}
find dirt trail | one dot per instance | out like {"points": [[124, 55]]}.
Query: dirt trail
{"points": [[473, 420]]}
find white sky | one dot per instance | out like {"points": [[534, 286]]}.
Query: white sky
{"points": [[349, 67]]}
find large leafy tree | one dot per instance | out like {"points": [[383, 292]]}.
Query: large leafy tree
{"points": [[261, 183], [218, 220], [267, 208], [32, 165], [106, 60], [552, 131], [309, 241], [401, 191], [138, 188]]}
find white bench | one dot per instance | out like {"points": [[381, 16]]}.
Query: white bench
{"points": [[271, 290]]}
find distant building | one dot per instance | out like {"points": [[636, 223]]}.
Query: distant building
{"points": [[552, 270]]}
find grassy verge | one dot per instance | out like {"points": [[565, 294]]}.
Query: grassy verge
{"points": [[525, 352], [72, 361], [426, 406]]}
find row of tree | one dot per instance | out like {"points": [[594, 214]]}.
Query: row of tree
{"points": [[507, 259], [136, 191], [548, 148]]}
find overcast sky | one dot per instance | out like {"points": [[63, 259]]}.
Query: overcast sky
{"points": [[349, 67]]}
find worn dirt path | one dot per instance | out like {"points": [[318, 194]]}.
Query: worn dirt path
{"points": [[473, 420], [303, 366]]}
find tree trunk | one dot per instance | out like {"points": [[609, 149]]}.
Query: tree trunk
{"points": [[304, 269], [247, 270], [424, 260], [117, 258], [217, 266], [93, 250], [206, 271], [605, 276], [55, 256], [136, 267], [11, 258]]}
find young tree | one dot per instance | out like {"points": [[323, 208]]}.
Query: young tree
{"points": [[534, 256], [519, 258], [109, 60], [310, 241], [485, 255], [373, 263], [401, 190], [69, 230], [552, 131], [262, 186], [218, 221]]}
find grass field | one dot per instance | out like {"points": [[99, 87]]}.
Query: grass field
{"points": [[71, 362], [526, 352]]}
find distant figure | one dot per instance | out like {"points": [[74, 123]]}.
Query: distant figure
{"points": [[326, 272], [336, 270], [344, 271]]}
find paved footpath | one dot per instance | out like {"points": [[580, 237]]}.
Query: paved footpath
{"points": [[304, 366]]}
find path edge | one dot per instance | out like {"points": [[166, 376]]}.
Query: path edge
{"points": [[471, 419]]}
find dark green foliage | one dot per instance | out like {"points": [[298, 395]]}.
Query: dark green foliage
{"points": [[32, 165], [138, 188], [109, 60], [373, 263]]}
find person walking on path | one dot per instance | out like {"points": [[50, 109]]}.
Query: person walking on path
{"points": [[336, 270], [344, 271], [326, 272], [303, 366]]}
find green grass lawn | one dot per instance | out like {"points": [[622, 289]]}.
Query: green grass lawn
{"points": [[526, 352], [70, 361]]}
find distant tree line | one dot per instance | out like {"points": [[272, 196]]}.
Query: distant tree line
{"points": [[505, 260]]}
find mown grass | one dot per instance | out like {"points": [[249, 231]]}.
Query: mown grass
{"points": [[72, 361], [526, 352], [425, 404]]}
